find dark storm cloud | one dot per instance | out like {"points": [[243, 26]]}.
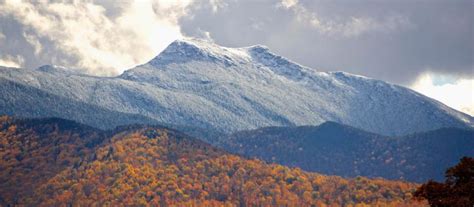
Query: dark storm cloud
{"points": [[390, 40]]}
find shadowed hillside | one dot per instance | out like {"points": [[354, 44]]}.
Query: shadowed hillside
{"points": [[336, 149]]}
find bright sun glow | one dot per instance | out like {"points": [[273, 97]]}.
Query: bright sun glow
{"points": [[458, 94]]}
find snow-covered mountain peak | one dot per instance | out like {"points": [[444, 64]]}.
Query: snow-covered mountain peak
{"points": [[262, 56], [258, 49], [198, 61], [199, 83], [198, 52], [185, 50]]}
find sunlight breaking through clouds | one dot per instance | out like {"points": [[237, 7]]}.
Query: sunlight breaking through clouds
{"points": [[456, 93], [91, 40], [11, 61]]}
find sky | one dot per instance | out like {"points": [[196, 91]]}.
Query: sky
{"points": [[426, 45]]}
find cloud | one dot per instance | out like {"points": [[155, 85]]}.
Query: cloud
{"points": [[88, 36], [391, 41], [456, 93], [217, 5], [34, 42], [11, 61], [351, 26], [288, 3], [204, 35]]}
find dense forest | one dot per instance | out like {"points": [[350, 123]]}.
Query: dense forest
{"points": [[54, 162], [336, 149], [33, 151]]}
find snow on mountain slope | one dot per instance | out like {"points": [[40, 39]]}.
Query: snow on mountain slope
{"points": [[198, 83], [26, 101]]}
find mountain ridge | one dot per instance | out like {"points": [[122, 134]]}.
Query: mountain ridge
{"points": [[197, 83], [334, 148]]}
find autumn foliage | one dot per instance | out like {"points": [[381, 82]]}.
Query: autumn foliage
{"points": [[33, 151], [150, 166]]}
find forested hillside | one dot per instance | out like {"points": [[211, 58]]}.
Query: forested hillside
{"points": [[33, 151], [55, 162], [337, 149]]}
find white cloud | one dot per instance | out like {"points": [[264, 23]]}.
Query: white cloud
{"points": [[351, 27], [93, 41], [34, 42], [202, 34], [458, 94], [12, 61], [288, 3], [217, 4]]}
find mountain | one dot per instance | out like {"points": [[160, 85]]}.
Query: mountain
{"points": [[23, 100], [55, 162], [336, 149], [224, 90]]}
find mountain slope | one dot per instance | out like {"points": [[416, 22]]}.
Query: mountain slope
{"points": [[34, 151], [54, 162], [265, 89], [27, 101], [336, 149], [197, 83]]}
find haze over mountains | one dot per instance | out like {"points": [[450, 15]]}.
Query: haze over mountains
{"points": [[200, 84]]}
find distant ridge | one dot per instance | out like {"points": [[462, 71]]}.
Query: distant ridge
{"points": [[336, 149]]}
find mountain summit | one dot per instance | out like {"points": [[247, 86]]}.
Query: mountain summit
{"points": [[185, 50], [201, 84], [197, 50]]}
